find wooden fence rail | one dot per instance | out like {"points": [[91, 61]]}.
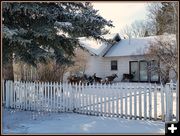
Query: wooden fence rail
{"points": [[126, 100]]}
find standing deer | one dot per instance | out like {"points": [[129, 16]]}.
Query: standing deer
{"points": [[97, 79], [109, 79]]}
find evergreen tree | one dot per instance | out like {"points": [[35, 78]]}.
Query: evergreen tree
{"points": [[36, 31]]}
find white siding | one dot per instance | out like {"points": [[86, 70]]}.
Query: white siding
{"points": [[102, 66]]}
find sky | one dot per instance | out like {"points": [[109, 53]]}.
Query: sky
{"points": [[121, 13]]}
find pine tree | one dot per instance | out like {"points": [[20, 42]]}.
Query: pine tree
{"points": [[36, 31]]}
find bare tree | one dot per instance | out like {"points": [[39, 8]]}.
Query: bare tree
{"points": [[163, 17], [51, 71], [139, 28], [164, 49], [80, 61], [127, 31]]}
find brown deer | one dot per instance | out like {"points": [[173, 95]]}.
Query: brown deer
{"points": [[97, 79], [109, 79]]}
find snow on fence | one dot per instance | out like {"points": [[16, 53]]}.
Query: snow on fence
{"points": [[128, 100]]}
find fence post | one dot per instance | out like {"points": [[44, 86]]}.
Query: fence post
{"points": [[168, 90], [3, 85], [177, 101]]}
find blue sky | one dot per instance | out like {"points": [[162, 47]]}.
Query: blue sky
{"points": [[121, 13]]}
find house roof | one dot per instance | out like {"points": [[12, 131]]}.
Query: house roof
{"points": [[134, 46], [97, 47]]}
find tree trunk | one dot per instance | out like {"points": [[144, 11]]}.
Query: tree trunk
{"points": [[8, 73]]}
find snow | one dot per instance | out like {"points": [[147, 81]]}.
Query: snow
{"points": [[127, 47], [9, 32], [110, 36], [26, 122], [65, 24], [95, 47], [135, 46]]}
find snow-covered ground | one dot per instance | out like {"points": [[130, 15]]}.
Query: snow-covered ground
{"points": [[27, 122]]}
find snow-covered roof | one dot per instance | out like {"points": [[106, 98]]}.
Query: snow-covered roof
{"points": [[133, 46], [96, 47], [110, 36]]}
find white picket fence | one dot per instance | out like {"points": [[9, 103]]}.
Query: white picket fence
{"points": [[127, 100]]}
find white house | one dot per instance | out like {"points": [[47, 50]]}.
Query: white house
{"points": [[122, 56]]}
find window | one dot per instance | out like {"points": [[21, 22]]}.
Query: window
{"points": [[114, 65], [143, 71], [134, 70], [154, 71]]}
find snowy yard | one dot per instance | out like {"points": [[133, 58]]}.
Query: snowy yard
{"points": [[26, 122]]}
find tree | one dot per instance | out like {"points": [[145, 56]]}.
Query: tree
{"points": [[139, 28], [80, 61], [163, 17], [35, 32], [163, 49], [127, 31]]}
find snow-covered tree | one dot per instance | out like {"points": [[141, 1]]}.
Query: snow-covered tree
{"points": [[36, 31]]}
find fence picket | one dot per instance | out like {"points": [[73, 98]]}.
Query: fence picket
{"points": [[167, 118], [171, 99], [130, 101], [25, 91], [75, 96], [20, 95], [121, 101], [125, 92], [53, 92], [155, 102], [14, 96], [28, 96], [82, 94], [145, 103], [162, 102], [113, 100], [61, 97], [11, 94], [140, 103], [79, 98], [35, 94], [135, 111], [86, 98], [117, 101], [105, 102], [150, 102], [101, 101], [109, 102]]}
